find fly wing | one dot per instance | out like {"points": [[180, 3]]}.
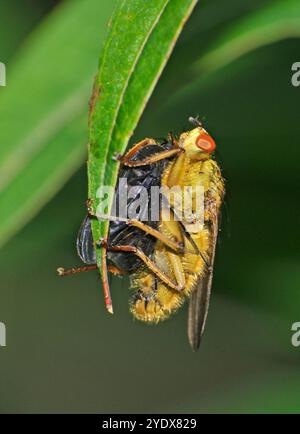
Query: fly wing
{"points": [[199, 300], [85, 243]]}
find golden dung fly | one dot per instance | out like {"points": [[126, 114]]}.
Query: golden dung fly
{"points": [[169, 259]]}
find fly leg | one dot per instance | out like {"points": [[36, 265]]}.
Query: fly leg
{"points": [[131, 153], [104, 275], [75, 270], [176, 225], [177, 246], [127, 158], [148, 262]]}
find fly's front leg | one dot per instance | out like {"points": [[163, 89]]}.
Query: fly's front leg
{"points": [[131, 153], [126, 159]]}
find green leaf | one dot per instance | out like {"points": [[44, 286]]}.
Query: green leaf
{"points": [[140, 41], [44, 109]]}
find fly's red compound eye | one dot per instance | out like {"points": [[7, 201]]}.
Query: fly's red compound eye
{"points": [[206, 143]]}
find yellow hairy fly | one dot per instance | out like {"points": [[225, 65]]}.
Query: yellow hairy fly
{"points": [[190, 271]]}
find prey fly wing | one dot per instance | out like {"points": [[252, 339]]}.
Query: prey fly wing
{"points": [[85, 244], [200, 297]]}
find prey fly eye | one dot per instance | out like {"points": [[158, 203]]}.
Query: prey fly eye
{"points": [[206, 143]]}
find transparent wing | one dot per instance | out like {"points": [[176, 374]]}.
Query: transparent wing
{"points": [[199, 300], [85, 244]]}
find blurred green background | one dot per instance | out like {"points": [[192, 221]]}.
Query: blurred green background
{"points": [[64, 353]]}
